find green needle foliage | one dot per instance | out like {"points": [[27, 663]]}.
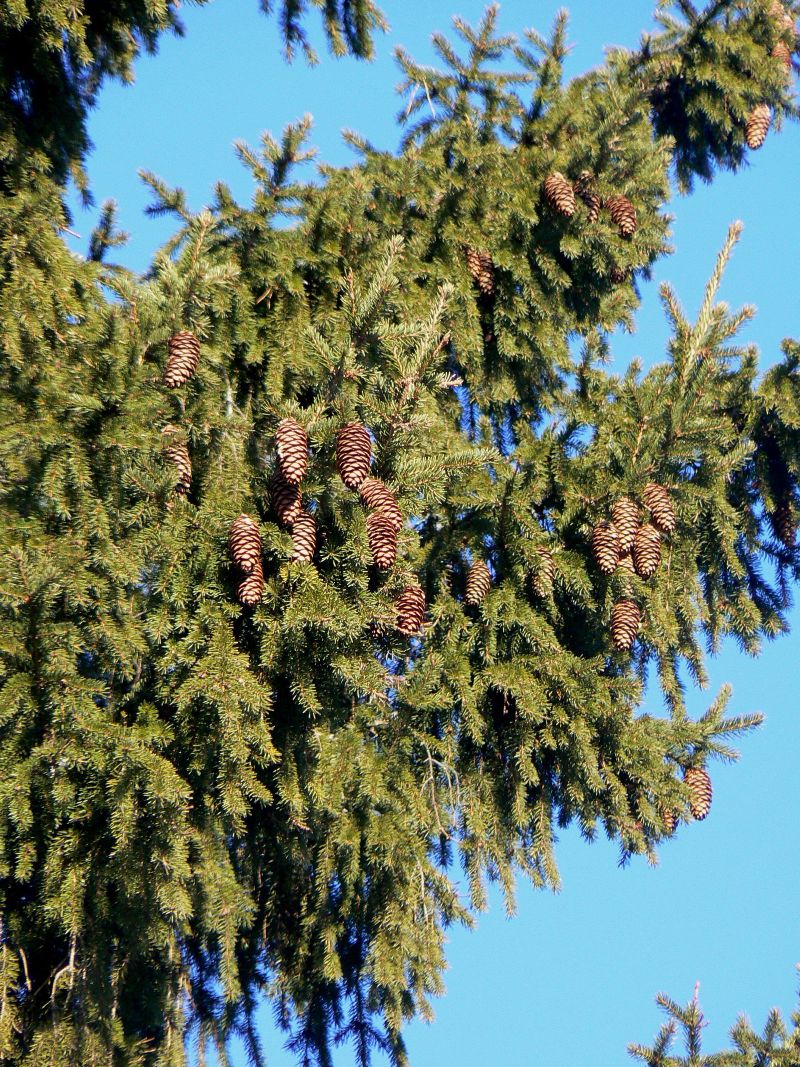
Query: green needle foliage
{"points": [[203, 804]]}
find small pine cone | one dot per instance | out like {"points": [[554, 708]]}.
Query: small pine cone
{"points": [[700, 791], [625, 516], [292, 442], [304, 538], [647, 551], [286, 500], [783, 54], [410, 608], [178, 455], [182, 358], [481, 267], [783, 524], [380, 498], [479, 581], [623, 214], [244, 544], [605, 546], [626, 562], [544, 575], [382, 537], [584, 187], [625, 620], [560, 194], [662, 510], [670, 821], [251, 587], [353, 454], [619, 275], [757, 126]]}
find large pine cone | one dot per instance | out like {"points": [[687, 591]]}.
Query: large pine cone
{"points": [[292, 442], [757, 126], [647, 551], [662, 511], [481, 267], [244, 543], [605, 546], [543, 576], [286, 500], [304, 538], [584, 187], [380, 497], [382, 537], [251, 587], [410, 608], [178, 455], [353, 454], [479, 582], [560, 194], [783, 523], [623, 214], [700, 791], [625, 516], [182, 358], [625, 620]]}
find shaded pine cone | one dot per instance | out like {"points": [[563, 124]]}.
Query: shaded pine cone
{"points": [[479, 581], [286, 499], [380, 497], [647, 551], [560, 194], [353, 454], [178, 455], [183, 355], [700, 791], [304, 538], [410, 608], [783, 54], [382, 538], [757, 126], [625, 620], [481, 267], [662, 511], [625, 516], [605, 546], [543, 576], [292, 442], [619, 275], [584, 187], [251, 587], [244, 543], [783, 524], [623, 214]]}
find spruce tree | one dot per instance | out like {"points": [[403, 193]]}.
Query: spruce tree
{"points": [[334, 557]]}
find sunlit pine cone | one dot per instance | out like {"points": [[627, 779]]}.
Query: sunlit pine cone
{"points": [[183, 356], [286, 500], [304, 538], [292, 442], [605, 546], [410, 608], [657, 500], [625, 516], [543, 576], [757, 126], [382, 537], [244, 543], [623, 214], [251, 587], [353, 454], [700, 791], [379, 497], [625, 621], [481, 267], [647, 551], [559, 194], [479, 582]]}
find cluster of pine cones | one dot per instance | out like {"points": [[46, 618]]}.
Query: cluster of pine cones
{"points": [[560, 194]]}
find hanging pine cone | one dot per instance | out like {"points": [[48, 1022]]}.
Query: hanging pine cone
{"points": [[619, 275], [353, 454], [623, 214], [286, 499], [560, 194], [182, 358], [625, 620], [662, 511], [244, 543], [647, 551], [783, 524], [783, 54], [178, 455], [625, 516], [292, 442], [605, 546], [584, 187], [757, 126], [669, 819], [380, 497], [251, 587], [410, 608], [481, 267], [382, 538], [700, 791], [542, 578], [479, 582], [304, 538]]}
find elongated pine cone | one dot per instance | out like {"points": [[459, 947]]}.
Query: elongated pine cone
{"points": [[625, 516], [481, 267], [560, 194], [479, 582], [757, 126], [251, 587], [623, 214], [304, 538], [662, 511], [183, 355], [382, 537], [783, 524], [669, 819], [543, 576], [178, 455], [244, 543], [380, 498], [783, 54], [410, 608], [353, 454], [625, 621], [700, 791], [605, 546], [286, 499], [647, 551], [292, 442], [584, 187]]}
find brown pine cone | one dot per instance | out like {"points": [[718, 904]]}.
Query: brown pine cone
{"points": [[783, 54], [353, 454], [479, 581], [662, 511], [183, 355], [286, 500], [700, 791], [481, 267], [178, 455], [757, 126], [251, 587], [619, 275], [304, 538], [625, 621], [605, 546], [584, 187], [292, 442], [380, 497], [543, 576], [647, 551], [625, 516], [382, 538], [623, 214], [244, 543], [410, 608], [670, 821], [560, 194]]}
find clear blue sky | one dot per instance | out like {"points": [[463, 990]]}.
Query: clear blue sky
{"points": [[571, 979]]}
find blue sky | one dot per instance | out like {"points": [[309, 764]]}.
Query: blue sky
{"points": [[571, 979]]}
